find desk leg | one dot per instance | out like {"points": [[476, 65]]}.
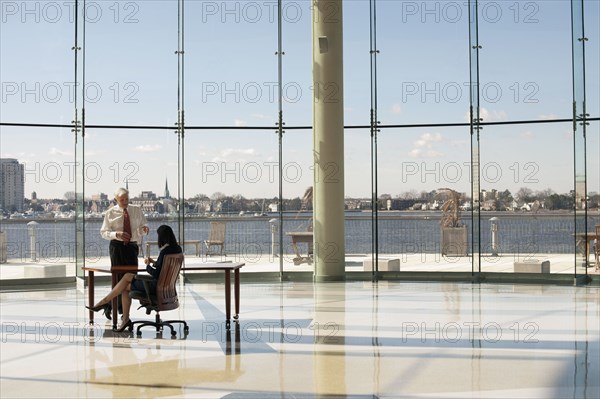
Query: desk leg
{"points": [[91, 295], [227, 299], [236, 274], [115, 304]]}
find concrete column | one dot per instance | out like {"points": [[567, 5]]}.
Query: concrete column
{"points": [[328, 140]]}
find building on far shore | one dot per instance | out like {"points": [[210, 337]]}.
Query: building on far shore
{"points": [[12, 185]]}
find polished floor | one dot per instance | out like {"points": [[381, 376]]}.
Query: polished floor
{"points": [[314, 340]]}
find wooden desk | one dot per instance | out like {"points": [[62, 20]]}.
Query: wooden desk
{"points": [[194, 242], [586, 238], [301, 237], [115, 270]]}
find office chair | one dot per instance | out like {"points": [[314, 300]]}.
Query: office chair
{"points": [[165, 297]]}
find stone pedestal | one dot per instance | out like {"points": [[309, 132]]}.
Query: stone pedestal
{"points": [[384, 265], [45, 271], [532, 266]]}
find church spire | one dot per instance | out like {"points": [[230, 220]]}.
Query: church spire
{"points": [[167, 194]]}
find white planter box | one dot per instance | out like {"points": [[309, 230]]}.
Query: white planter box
{"points": [[45, 271], [454, 241], [384, 265], [532, 266]]}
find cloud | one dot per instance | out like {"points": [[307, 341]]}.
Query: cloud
{"points": [[148, 148], [91, 135], [424, 146], [548, 117], [396, 109], [492, 116], [56, 151], [239, 122], [528, 135], [489, 116], [202, 154], [424, 153], [428, 138], [227, 152], [19, 155]]}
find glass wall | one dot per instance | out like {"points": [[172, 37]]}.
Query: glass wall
{"points": [[39, 229], [526, 204], [135, 72]]}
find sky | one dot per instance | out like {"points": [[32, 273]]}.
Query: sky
{"points": [[230, 77]]}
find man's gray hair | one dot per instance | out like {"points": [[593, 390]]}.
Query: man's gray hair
{"points": [[121, 192]]}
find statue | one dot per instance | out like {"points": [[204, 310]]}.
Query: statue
{"points": [[454, 234], [451, 208]]}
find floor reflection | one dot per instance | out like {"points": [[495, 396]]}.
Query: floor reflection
{"points": [[304, 340]]}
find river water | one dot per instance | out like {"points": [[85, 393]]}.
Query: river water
{"points": [[399, 232]]}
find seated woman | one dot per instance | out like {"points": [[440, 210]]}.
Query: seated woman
{"points": [[168, 245]]}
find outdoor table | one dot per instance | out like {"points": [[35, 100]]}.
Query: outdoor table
{"points": [[301, 237], [583, 241]]}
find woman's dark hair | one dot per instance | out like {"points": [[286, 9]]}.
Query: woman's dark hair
{"points": [[166, 236]]}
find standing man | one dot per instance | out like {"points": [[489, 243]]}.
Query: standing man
{"points": [[124, 225]]}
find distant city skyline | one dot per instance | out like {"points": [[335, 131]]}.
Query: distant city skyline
{"points": [[14, 173]]}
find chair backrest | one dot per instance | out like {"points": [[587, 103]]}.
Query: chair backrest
{"points": [[217, 231], [166, 290]]}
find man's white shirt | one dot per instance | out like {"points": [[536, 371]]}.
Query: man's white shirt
{"points": [[113, 222]]}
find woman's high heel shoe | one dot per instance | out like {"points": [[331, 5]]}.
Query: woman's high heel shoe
{"points": [[108, 311], [124, 326], [98, 308]]}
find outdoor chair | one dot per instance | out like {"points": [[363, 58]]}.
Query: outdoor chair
{"points": [[165, 298], [216, 238]]}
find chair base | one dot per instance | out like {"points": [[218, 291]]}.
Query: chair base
{"points": [[209, 251], [159, 325]]}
